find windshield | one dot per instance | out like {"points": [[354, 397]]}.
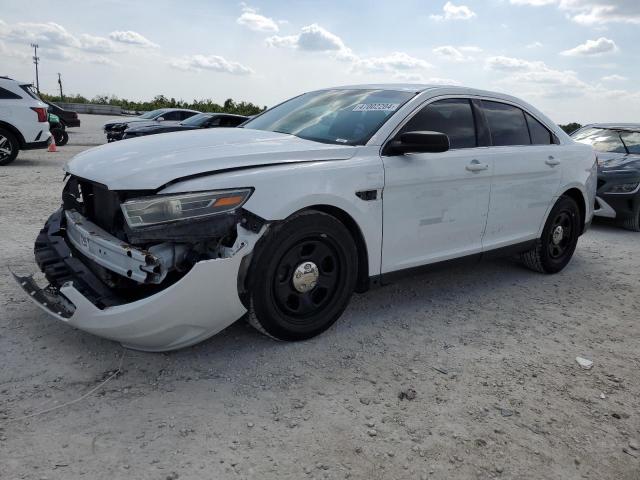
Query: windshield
{"points": [[631, 141], [153, 113], [607, 140], [196, 120], [348, 117]]}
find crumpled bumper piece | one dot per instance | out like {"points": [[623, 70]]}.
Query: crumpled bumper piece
{"points": [[202, 303]]}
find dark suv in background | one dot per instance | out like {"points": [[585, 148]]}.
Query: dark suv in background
{"points": [[618, 147]]}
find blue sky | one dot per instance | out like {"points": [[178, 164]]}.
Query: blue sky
{"points": [[577, 60]]}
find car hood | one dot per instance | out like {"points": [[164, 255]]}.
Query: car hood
{"points": [[127, 120], [148, 163], [152, 125], [618, 162]]}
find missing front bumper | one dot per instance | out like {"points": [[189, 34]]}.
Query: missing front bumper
{"points": [[202, 303]]}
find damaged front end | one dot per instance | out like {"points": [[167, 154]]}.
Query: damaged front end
{"points": [[154, 272]]}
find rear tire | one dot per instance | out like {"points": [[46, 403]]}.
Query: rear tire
{"points": [[302, 276], [633, 222], [9, 147], [554, 249], [64, 139]]}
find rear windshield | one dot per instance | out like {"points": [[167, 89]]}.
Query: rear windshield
{"points": [[345, 117]]}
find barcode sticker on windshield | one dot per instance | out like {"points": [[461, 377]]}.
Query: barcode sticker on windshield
{"points": [[376, 107]]}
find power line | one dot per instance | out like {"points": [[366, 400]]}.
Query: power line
{"points": [[36, 60], [60, 83]]}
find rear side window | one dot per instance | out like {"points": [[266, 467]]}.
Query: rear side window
{"points": [[539, 133], [453, 117], [186, 115], [174, 115], [507, 124], [8, 95]]}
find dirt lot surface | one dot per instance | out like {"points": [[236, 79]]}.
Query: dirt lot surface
{"points": [[489, 352]]}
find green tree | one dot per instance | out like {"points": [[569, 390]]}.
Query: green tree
{"points": [[569, 128], [160, 101]]}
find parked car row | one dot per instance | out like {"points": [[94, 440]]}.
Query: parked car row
{"points": [[286, 216], [166, 120], [27, 122]]}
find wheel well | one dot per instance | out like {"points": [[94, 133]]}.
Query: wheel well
{"points": [[579, 198], [362, 284], [14, 131]]}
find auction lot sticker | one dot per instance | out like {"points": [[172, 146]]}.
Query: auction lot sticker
{"points": [[375, 107]]}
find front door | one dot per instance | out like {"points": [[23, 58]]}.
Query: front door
{"points": [[435, 205]]}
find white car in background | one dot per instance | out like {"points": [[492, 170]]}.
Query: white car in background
{"points": [[24, 121], [164, 241]]}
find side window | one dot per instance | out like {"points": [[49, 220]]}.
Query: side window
{"points": [[539, 133], [507, 124], [231, 121], [185, 115], [452, 116], [8, 95], [214, 122], [173, 116]]}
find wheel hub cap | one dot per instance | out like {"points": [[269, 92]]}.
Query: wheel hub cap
{"points": [[558, 235], [305, 277]]}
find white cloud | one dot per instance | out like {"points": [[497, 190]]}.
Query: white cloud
{"points": [[314, 38], [215, 63], [456, 54], [614, 78], [45, 34], [132, 38], [6, 51], [593, 12], [535, 3], [390, 63], [311, 38], [535, 45], [90, 43], [454, 12], [251, 19], [592, 47]]}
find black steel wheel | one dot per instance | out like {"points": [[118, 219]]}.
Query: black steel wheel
{"points": [[302, 276], [8, 147], [555, 248]]}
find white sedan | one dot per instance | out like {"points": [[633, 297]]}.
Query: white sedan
{"points": [[164, 241]]}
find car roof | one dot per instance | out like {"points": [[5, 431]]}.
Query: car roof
{"points": [[422, 87], [614, 126]]}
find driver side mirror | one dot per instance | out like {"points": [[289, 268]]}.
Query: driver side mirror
{"points": [[420, 142], [160, 119]]}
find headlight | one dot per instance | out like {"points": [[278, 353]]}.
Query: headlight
{"points": [[170, 208], [623, 188]]}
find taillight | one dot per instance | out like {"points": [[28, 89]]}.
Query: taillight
{"points": [[42, 113]]}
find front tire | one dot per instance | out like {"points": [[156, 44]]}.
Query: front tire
{"points": [[632, 222], [554, 249], [9, 147], [302, 276]]}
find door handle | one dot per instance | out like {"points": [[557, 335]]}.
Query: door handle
{"points": [[552, 162], [476, 166]]}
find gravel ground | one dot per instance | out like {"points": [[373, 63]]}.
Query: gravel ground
{"points": [[488, 351]]}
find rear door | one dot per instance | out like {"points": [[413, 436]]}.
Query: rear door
{"points": [[435, 204], [526, 174]]}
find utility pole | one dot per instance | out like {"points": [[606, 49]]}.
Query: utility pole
{"points": [[60, 83], [36, 59]]}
